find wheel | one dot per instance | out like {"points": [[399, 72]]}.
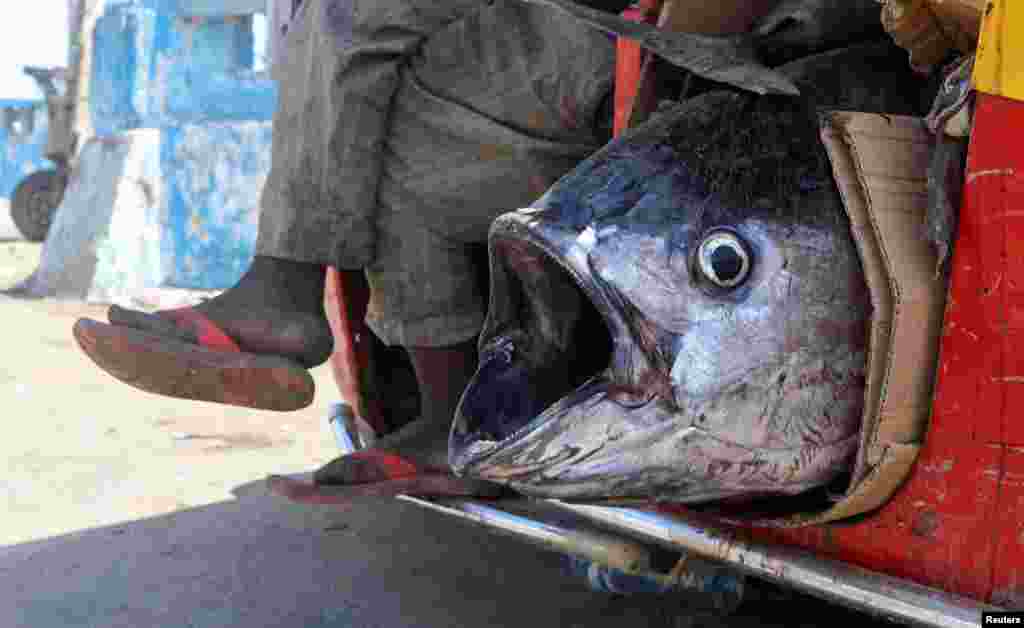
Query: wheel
{"points": [[35, 201]]}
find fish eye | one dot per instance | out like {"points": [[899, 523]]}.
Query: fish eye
{"points": [[723, 259]]}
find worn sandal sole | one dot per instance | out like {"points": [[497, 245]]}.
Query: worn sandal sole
{"points": [[424, 484], [174, 368]]}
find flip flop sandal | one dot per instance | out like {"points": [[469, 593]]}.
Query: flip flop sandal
{"points": [[402, 477], [194, 359]]}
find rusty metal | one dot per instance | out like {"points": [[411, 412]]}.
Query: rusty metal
{"points": [[861, 589]]}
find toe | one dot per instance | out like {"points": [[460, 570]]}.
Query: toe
{"points": [[149, 322]]}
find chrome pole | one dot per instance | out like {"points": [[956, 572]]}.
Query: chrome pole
{"points": [[611, 550], [864, 590]]}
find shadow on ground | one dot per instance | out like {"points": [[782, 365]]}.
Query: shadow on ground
{"points": [[145, 480], [261, 561]]}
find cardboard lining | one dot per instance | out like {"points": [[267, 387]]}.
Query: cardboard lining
{"points": [[880, 164]]}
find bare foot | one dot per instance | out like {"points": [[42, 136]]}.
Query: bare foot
{"points": [[420, 446], [276, 308]]}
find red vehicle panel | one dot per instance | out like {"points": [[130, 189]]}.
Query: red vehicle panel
{"points": [[958, 522]]}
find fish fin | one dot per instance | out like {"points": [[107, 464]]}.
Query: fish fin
{"points": [[728, 59]]}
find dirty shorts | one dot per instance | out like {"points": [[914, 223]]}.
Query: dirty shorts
{"points": [[488, 111]]}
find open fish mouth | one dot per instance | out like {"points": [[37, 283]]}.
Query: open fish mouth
{"points": [[548, 343], [666, 323]]}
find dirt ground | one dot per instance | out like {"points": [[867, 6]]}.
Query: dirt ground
{"points": [[124, 509]]}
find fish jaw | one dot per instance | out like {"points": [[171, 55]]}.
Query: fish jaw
{"points": [[589, 447], [540, 285]]}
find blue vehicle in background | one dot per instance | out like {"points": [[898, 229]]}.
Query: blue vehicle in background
{"points": [[36, 197]]}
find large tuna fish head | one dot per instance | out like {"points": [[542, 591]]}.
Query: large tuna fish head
{"points": [[683, 318]]}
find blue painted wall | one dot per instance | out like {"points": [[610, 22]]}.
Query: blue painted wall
{"points": [[21, 153], [214, 174], [156, 65], [206, 8], [153, 69]]}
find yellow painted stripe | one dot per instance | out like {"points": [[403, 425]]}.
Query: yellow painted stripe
{"points": [[999, 66]]}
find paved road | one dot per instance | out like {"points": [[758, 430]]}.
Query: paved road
{"points": [[122, 509]]}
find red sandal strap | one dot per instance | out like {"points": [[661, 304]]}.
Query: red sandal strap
{"points": [[393, 465], [208, 334]]}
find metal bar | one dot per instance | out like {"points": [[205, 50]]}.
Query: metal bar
{"points": [[852, 586], [613, 551]]}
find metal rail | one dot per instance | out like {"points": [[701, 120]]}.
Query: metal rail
{"points": [[607, 549], [864, 590], [868, 591]]}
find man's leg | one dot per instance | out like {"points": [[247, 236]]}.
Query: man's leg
{"points": [[338, 69], [449, 171], [442, 375], [250, 345]]}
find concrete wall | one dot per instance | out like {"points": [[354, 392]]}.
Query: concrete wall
{"points": [[178, 160], [155, 66], [168, 207], [207, 8], [154, 69], [106, 240], [214, 174]]}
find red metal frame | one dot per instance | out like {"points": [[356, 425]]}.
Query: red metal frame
{"points": [[629, 64], [958, 522], [346, 297]]}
